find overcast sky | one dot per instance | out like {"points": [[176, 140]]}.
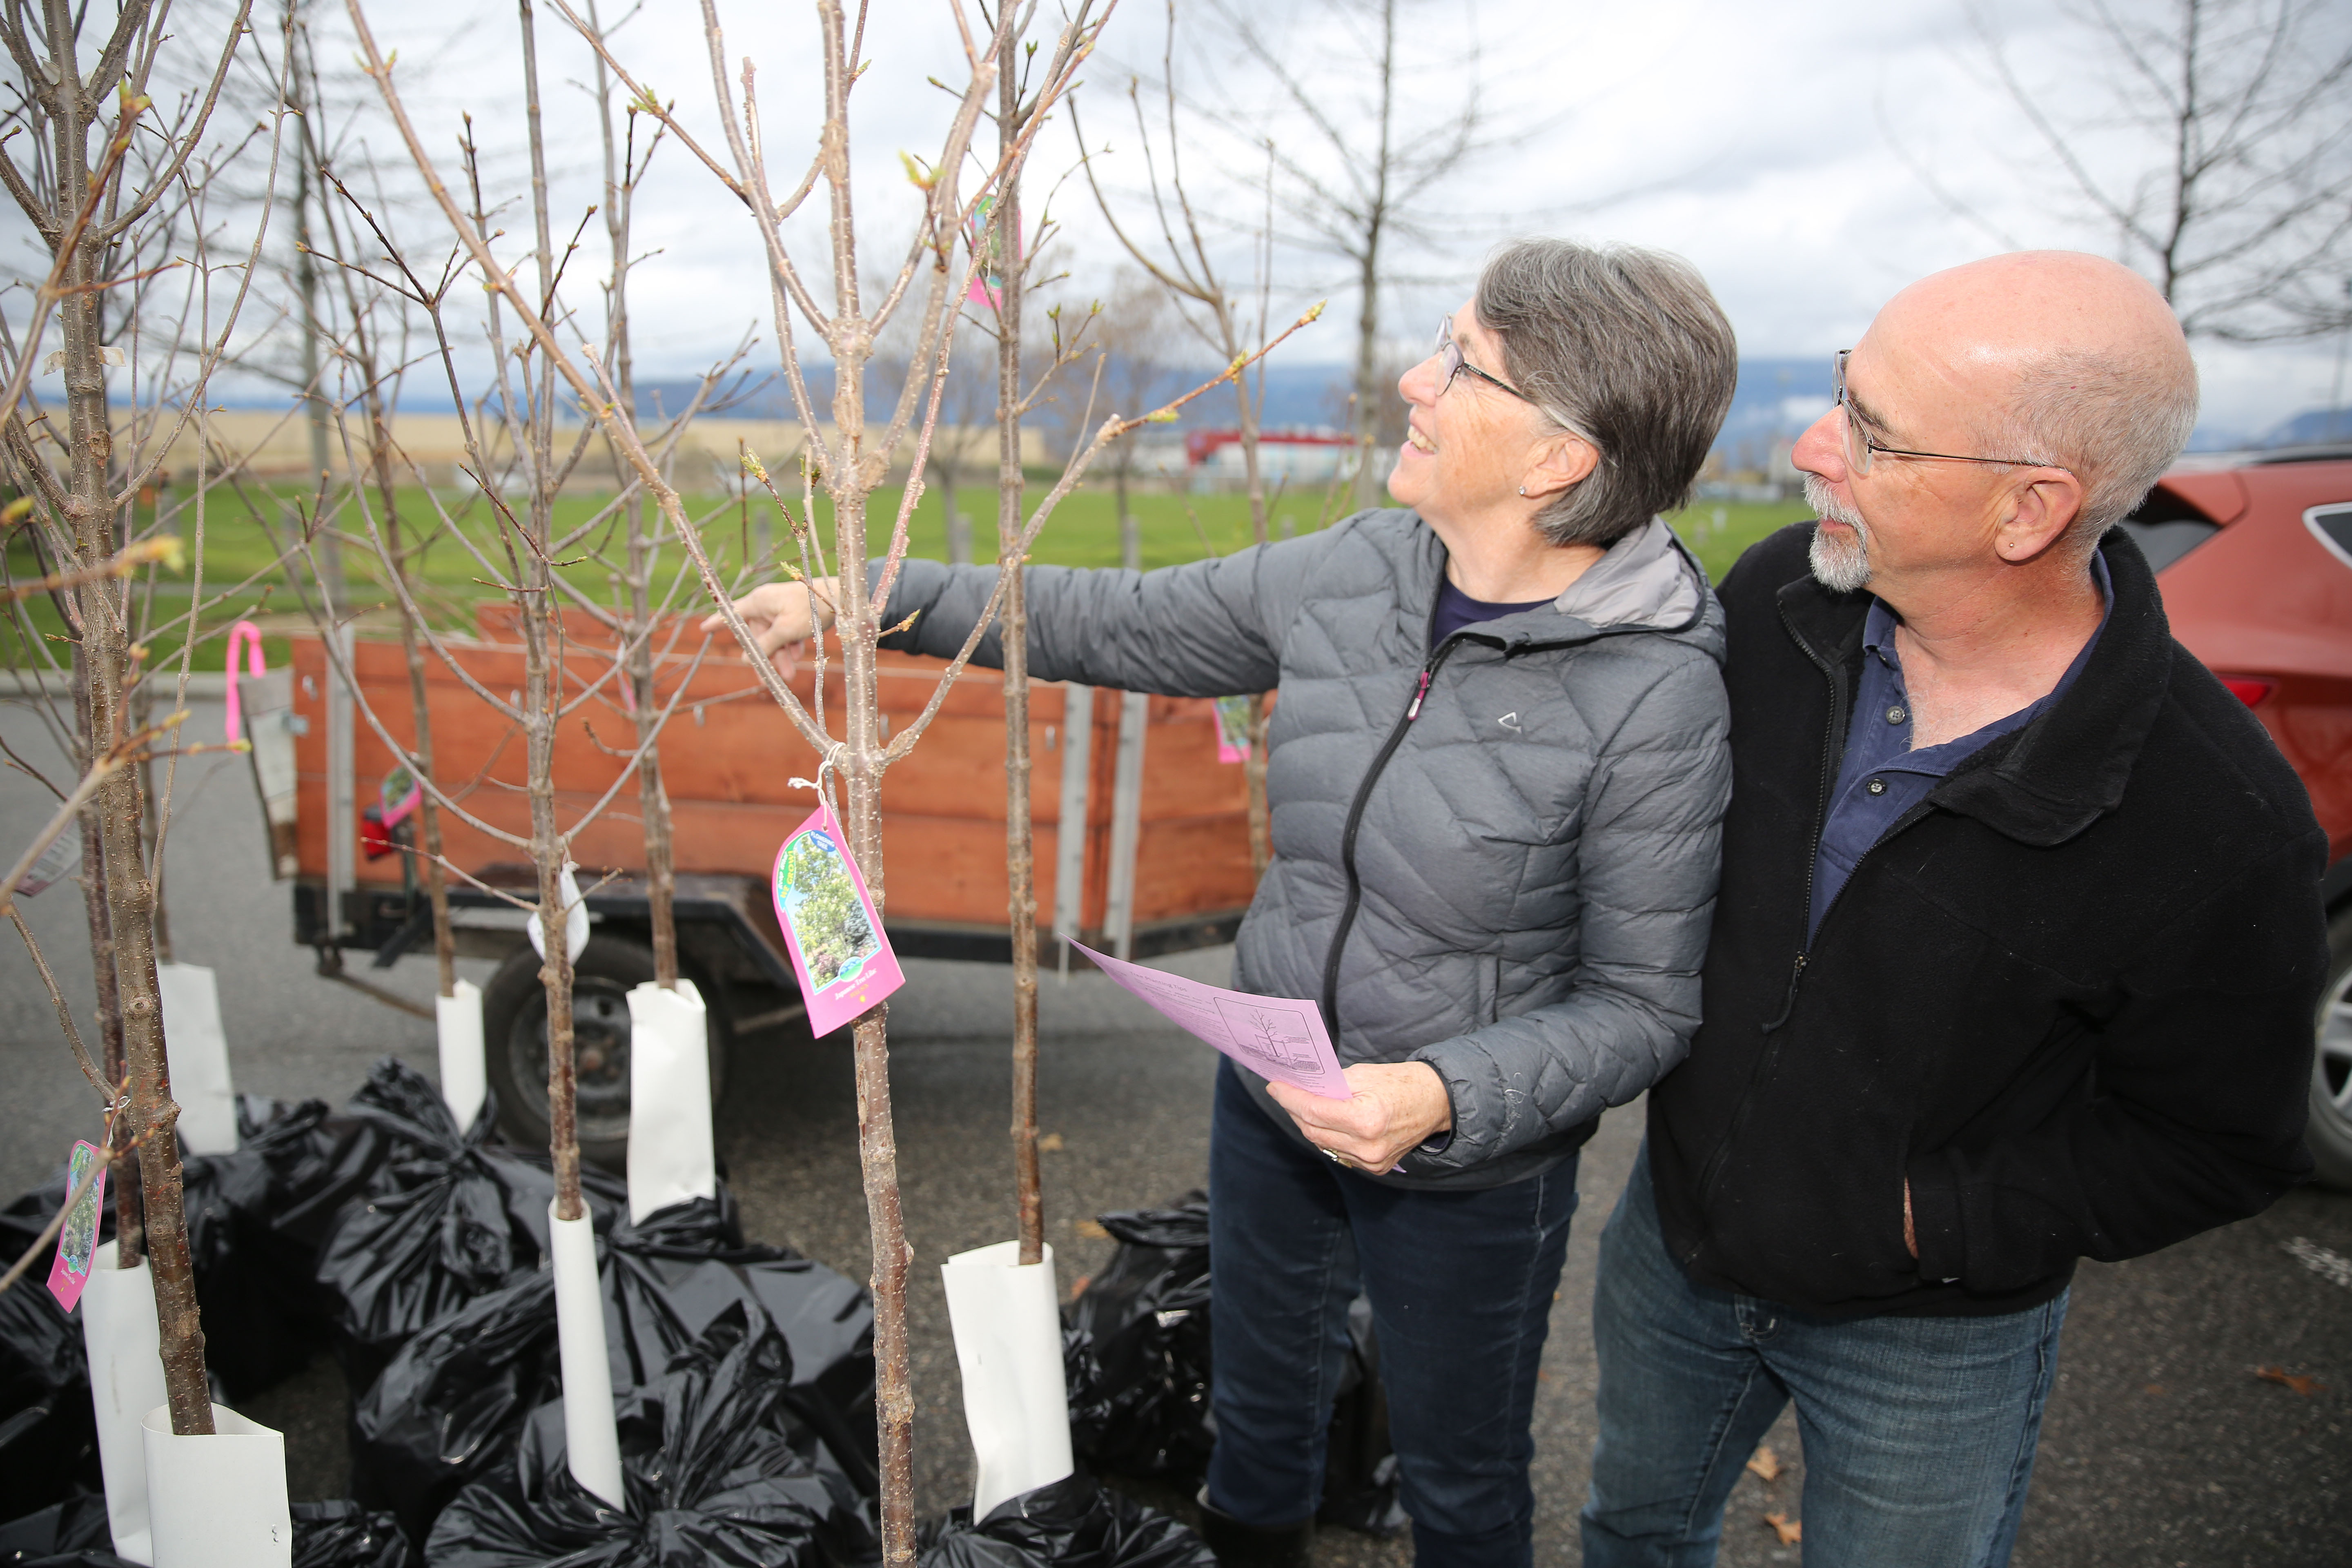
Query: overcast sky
{"points": [[1773, 145]]}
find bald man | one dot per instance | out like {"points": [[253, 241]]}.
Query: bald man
{"points": [[2014, 960]]}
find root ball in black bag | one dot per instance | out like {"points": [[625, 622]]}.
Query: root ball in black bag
{"points": [[1074, 1523], [458, 1219], [712, 1474], [1136, 1353], [452, 1405], [255, 1220]]}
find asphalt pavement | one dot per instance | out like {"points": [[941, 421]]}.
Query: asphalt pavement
{"points": [[2163, 1444]]}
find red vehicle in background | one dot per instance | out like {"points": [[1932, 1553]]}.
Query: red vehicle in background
{"points": [[2253, 554]]}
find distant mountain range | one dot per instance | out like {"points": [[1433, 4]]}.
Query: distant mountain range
{"points": [[1776, 399]]}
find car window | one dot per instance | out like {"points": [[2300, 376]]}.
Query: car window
{"points": [[2333, 525], [2165, 541]]}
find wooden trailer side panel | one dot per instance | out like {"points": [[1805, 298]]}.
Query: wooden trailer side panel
{"points": [[729, 758]]}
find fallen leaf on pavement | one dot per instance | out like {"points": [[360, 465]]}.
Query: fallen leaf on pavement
{"points": [[1049, 1142], [2302, 1383], [2155, 1388], [1790, 1531], [1766, 1464], [1079, 1289], [1090, 1230]]}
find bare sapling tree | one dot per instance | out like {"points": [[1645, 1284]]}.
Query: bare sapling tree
{"points": [[370, 340], [623, 167], [110, 218], [1013, 257], [849, 462], [2213, 139], [1184, 260]]}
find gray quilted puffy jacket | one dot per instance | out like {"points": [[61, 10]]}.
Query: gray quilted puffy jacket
{"points": [[1496, 856]]}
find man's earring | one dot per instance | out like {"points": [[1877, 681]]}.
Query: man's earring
{"points": [[1523, 490]]}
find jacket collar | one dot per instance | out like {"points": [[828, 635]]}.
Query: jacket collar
{"points": [[1647, 580], [2048, 782]]}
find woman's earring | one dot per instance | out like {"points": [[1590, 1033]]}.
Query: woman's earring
{"points": [[1523, 490]]}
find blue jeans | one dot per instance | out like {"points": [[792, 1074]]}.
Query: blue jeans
{"points": [[1918, 1432], [1461, 1287]]}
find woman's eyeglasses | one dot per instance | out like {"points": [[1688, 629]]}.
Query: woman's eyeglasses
{"points": [[1859, 446], [1450, 364]]}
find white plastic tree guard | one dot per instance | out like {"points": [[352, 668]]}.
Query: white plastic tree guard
{"points": [[670, 1158], [591, 1438], [126, 1381], [1008, 1336], [196, 1048], [218, 1501], [464, 1078]]}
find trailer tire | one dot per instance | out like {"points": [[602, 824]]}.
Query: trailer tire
{"points": [[514, 1040]]}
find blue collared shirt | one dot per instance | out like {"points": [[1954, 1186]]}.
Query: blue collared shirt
{"points": [[1882, 776]]}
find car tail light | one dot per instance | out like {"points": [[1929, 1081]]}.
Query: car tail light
{"points": [[2249, 692]]}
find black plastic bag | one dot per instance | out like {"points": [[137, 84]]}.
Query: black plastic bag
{"points": [[74, 1534], [1135, 1356], [454, 1220], [452, 1405], [1137, 1360], [75, 1523], [255, 1217], [49, 1437], [342, 1534], [1076, 1523], [714, 1471], [1360, 1465]]}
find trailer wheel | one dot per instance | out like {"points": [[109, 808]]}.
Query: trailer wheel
{"points": [[514, 1039]]}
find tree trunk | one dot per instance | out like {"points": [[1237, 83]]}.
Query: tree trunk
{"points": [[1368, 374], [1130, 531], [958, 522], [122, 1170], [104, 653], [428, 815], [1020, 833]]}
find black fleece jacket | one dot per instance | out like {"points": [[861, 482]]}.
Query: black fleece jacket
{"points": [[2069, 996]]}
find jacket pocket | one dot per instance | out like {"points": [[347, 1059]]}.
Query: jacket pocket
{"points": [[1490, 988]]}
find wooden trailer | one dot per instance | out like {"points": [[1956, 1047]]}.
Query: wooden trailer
{"points": [[1142, 841]]}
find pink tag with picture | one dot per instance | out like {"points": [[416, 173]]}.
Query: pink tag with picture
{"points": [[839, 952], [78, 1238]]}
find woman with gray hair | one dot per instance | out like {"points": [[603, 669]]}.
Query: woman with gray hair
{"points": [[1496, 768]]}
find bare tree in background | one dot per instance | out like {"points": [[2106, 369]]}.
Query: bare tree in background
{"points": [[1389, 119], [965, 440], [2214, 138], [1133, 336], [1184, 260]]}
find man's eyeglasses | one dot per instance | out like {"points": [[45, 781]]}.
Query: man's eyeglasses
{"points": [[1450, 364], [1860, 449]]}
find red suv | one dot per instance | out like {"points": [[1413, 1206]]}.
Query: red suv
{"points": [[2254, 553]]}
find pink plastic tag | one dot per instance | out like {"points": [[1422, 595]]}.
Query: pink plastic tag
{"points": [[839, 951], [77, 1241], [1233, 729], [247, 633]]}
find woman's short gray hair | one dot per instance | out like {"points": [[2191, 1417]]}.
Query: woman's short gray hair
{"points": [[1626, 347]]}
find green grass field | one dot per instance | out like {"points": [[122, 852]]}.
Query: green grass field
{"points": [[1083, 532]]}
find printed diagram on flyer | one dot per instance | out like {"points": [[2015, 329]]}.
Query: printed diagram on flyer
{"points": [[1277, 1036]]}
